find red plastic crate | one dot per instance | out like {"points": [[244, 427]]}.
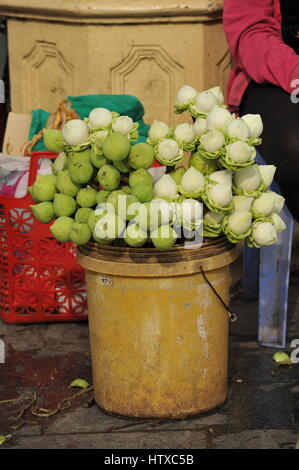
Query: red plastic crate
{"points": [[40, 280]]}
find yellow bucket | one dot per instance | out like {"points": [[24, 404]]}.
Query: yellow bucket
{"points": [[158, 332]]}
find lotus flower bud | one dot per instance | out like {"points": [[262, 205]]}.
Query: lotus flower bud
{"points": [[267, 172], [80, 233], [191, 210], [216, 90], [248, 178], [263, 234], [185, 132], [109, 227], [222, 177], [123, 125], [220, 194], [279, 203], [264, 205], [158, 130], [212, 218], [200, 126], [135, 236], [239, 152], [212, 141], [239, 222], [75, 132], [218, 118], [278, 223], [238, 129], [186, 94], [205, 102], [168, 149], [242, 203], [100, 137], [163, 237], [100, 117], [193, 180], [166, 187], [255, 124]]}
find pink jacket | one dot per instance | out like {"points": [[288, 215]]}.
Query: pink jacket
{"points": [[253, 31]]}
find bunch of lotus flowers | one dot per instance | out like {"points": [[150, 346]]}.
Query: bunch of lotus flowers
{"points": [[105, 186]]}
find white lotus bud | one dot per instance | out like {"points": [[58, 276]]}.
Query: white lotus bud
{"points": [[265, 204], [185, 132], [205, 102], [166, 187], [216, 90], [239, 152], [100, 117], [248, 178], [191, 210], [264, 234], [255, 124], [158, 130], [218, 118], [279, 203], [240, 221], [213, 218], [222, 177], [186, 94], [168, 149], [100, 137], [164, 208], [278, 223], [193, 180], [123, 125], [238, 129], [242, 203], [267, 172], [221, 194], [200, 126], [212, 141], [75, 132]]}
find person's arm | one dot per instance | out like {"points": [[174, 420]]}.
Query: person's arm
{"points": [[254, 37]]}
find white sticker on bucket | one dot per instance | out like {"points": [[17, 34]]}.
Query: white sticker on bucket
{"points": [[106, 281]]}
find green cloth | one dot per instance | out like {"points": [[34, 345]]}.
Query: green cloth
{"points": [[126, 105]]}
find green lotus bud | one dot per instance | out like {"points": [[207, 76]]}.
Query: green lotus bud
{"points": [[64, 205], [267, 173], [97, 160], [80, 233], [108, 177], [141, 156], [158, 130], [193, 182], [166, 187], [122, 202], [75, 132], [44, 211], [60, 163], [102, 196], [242, 203], [61, 228], [87, 197], [83, 214], [185, 132], [43, 189], [99, 117], [144, 192], [255, 124], [212, 141], [116, 147], [30, 191], [53, 140], [163, 237], [238, 129], [205, 165], [135, 236], [65, 184], [200, 126], [239, 222], [101, 210], [123, 125], [282, 358], [81, 172], [218, 118], [222, 177], [126, 189], [177, 174], [140, 176], [82, 156], [109, 227], [153, 214], [123, 166], [263, 234], [248, 178]]}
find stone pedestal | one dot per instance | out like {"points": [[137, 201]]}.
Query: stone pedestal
{"points": [[147, 49]]}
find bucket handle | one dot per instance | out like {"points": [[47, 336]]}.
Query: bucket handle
{"points": [[232, 316]]}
